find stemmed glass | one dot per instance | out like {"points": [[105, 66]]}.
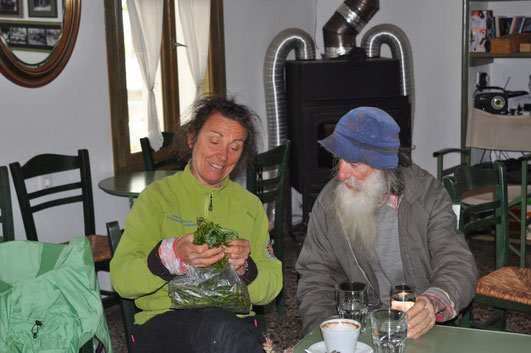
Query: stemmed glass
{"points": [[352, 301]]}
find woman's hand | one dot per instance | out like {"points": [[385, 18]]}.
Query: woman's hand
{"points": [[196, 255], [421, 317], [237, 253]]}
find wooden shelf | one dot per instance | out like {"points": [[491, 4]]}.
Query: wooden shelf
{"points": [[502, 56]]}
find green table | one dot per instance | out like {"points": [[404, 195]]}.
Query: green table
{"points": [[131, 184], [447, 339]]}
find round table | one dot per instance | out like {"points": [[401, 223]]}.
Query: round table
{"points": [[131, 184]]}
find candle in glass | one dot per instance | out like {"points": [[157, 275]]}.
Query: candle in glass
{"points": [[402, 296]]}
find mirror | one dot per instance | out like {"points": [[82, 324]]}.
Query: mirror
{"points": [[37, 38]]}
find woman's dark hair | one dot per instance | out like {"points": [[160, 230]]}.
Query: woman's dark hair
{"points": [[202, 110]]}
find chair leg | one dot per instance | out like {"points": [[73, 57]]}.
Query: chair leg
{"points": [[260, 318], [280, 302], [466, 318]]}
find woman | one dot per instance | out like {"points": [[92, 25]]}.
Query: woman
{"points": [[157, 243]]}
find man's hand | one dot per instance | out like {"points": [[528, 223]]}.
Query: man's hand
{"points": [[421, 317], [237, 253], [196, 255]]}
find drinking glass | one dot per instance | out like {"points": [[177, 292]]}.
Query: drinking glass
{"points": [[352, 301], [389, 330], [402, 296]]}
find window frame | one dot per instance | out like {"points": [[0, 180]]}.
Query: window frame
{"points": [[124, 160]]}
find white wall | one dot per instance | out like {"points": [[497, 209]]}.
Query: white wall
{"points": [[70, 113], [433, 28], [250, 25]]}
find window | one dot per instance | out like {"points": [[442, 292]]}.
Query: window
{"points": [[125, 129]]}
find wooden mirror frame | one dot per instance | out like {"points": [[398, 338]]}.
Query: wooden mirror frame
{"points": [[43, 73]]}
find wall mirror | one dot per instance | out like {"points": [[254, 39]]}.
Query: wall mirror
{"points": [[37, 38]]}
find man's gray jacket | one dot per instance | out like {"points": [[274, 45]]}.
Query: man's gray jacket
{"points": [[434, 253]]}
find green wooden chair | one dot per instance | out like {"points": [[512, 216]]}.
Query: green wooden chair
{"points": [[506, 288], [267, 177], [127, 306], [464, 155], [45, 164], [519, 195], [6, 211], [161, 158]]}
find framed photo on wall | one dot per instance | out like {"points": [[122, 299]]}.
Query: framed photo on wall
{"points": [[30, 36], [42, 8], [11, 8]]}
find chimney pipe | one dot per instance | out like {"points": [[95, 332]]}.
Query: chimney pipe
{"points": [[339, 33]]}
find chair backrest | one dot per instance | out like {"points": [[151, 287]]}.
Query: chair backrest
{"points": [[6, 211], [267, 178], [163, 155], [127, 306], [468, 181], [439, 155], [45, 164]]}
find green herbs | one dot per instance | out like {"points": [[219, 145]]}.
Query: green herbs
{"points": [[213, 235], [217, 285]]}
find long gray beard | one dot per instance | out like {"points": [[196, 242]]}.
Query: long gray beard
{"points": [[357, 210]]}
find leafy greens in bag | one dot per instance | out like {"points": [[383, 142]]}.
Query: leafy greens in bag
{"points": [[213, 235], [217, 285]]}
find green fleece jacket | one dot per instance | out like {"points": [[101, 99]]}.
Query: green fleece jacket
{"points": [[169, 208]]}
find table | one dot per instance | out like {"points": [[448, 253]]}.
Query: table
{"points": [[446, 339], [131, 184]]}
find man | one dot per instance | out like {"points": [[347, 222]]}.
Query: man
{"points": [[382, 220]]}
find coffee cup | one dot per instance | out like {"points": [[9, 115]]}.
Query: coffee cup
{"points": [[340, 335]]}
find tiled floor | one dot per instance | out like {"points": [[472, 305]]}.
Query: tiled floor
{"points": [[285, 332]]}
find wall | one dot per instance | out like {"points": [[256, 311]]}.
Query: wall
{"points": [[70, 113], [433, 28]]}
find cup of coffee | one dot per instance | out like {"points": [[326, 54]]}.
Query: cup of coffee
{"points": [[340, 335]]}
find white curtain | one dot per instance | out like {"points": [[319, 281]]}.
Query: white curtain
{"points": [[195, 20], [146, 28]]}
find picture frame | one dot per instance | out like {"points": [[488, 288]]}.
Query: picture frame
{"points": [[37, 36], [11, 8], [42, 8]]}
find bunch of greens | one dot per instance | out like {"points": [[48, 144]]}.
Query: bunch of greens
{"points": [[213, 235], [208, 287], [217, 285]]}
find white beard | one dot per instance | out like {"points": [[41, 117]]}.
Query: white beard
{"points": [[356, 209]]}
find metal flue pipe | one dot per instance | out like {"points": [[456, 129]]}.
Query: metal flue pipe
{"points": [[274, 81], [340, 32], [400, 48]]}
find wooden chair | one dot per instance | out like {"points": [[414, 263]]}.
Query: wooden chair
{"points": [[6, 211], [506, 288], [464, 155], [127, 306], [45, 164], [161, 158], [267, 177], [519, 195]]}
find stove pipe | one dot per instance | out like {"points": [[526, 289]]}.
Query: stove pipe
{"points": [[275, 59], [400, 47], [339, 33]]}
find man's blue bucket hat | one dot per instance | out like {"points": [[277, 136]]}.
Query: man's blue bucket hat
{"points": [[365, 135]]}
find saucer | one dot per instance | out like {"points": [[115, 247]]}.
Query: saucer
{"points": [[319, 347]]}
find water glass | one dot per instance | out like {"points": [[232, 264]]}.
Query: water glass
{"points": [[389, 330], [352, 301], [402, 296]]}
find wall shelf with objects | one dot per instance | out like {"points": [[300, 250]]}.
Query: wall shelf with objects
{"points": [[470, 60]]}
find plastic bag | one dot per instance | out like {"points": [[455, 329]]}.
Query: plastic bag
{"points": [[209, 286]]}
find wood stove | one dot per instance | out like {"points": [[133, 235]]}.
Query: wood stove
{"points": [[319, 93]]}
